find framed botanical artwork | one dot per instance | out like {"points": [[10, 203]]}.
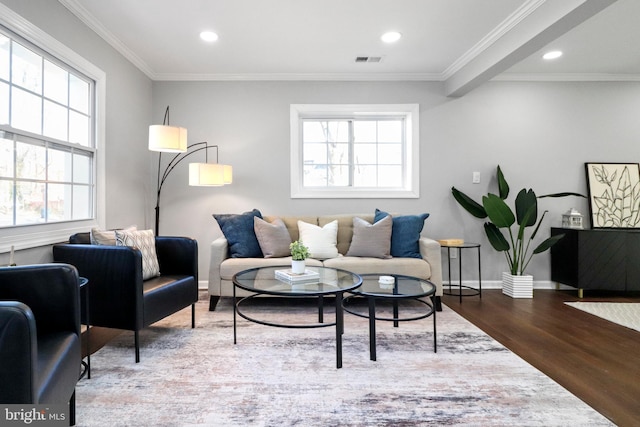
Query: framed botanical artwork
{"points": [[614, 194]]}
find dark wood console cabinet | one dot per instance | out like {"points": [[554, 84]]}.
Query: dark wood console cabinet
{"points": [[597, 259]]}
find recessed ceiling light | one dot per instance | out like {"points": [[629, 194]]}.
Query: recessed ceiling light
{"points": [[552, 55], [208, 36], [391, 36]]}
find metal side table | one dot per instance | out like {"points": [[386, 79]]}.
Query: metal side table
{"points": [[471, 291]]}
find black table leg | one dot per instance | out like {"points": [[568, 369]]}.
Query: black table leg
{"points": [[320, 309], [339, 329], [372, 328], [234, 314]]}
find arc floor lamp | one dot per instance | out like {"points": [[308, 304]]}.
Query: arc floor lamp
{"points": [[172, 139]]}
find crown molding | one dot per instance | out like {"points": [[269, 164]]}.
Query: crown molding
{"points": [[567, 77], [300, 77], [90, 21]]}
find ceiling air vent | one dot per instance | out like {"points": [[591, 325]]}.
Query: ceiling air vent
{"points": [[368, 58]]}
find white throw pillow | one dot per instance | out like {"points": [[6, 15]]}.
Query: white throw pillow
{"points": [[145, 242], [321, 241], [106, 237]]}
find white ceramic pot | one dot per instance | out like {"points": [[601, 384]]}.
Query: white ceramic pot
{"points": [[517, 286], [297, 267]]}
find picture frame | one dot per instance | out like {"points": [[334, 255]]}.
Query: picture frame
{"points": [[614, 195]]}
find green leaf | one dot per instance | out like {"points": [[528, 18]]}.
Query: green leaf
{"points": [[496, 238], [525, 202], [469, 204], [498, 211], [548, 243], [503, 187]]}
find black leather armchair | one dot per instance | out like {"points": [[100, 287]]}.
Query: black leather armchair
{"points": [[40, 344], [119, 298]]}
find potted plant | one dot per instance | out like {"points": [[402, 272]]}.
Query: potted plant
{"points": [[299, 253], [517, 243]]}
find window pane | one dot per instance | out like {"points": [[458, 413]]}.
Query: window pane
{"points": [[78, 128], [390, 131], [339, 154], [81, 202], [4, 103], [59, 166], [365, 154], [314, 131], [56, 83], [6, 158], [26, 111], [364, 131], [315, 153], [338, 175], [390, 176], [365, 176], [26, 70], [81, 169], [315, 175], [390, 154], [29, 203], [58, 202], [30, 161], [6, 203], [55, 121], [4, 57], [79, 94], [338, 131]]}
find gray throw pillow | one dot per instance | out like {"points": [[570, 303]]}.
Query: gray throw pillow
{"points": [[371, 240], [274, 238]]}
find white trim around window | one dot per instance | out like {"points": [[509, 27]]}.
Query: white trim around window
{"points": [[24, 237], [409, 113]]}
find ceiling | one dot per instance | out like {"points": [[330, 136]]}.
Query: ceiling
{"points": [[462, 43]]}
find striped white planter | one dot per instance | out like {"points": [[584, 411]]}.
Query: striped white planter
{"points": [[517, 286]]}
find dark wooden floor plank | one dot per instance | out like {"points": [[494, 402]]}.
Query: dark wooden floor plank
{"points": [[594, 359]]}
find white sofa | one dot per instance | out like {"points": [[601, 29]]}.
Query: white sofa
{"points": [[222, 267]]}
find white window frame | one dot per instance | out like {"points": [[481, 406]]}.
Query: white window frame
{"points": [[410, 113], [30, 236]]}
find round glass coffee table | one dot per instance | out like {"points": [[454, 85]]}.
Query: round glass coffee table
{"points": [[401, 288], [329, 282]]}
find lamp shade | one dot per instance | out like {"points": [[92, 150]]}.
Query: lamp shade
{"points": [[206, 174], [170, 139], [228, 174]]}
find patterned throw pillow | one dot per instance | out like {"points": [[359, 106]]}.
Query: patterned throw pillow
{"points": [[274, 238], [106, 237], [405, 233], [145, 242], [371, 240], [321, 241]]}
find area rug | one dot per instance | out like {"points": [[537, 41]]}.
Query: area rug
{"points": [[623, 313], [288, 377]]}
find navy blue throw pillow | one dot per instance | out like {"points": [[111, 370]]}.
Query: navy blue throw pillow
{"points": [[240, 234], [405, 233]]}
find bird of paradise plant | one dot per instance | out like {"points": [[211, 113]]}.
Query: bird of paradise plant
{"points": [[517, 247]]}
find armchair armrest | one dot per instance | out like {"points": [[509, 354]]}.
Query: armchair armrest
{"points": [[115, 281], [430, 251], [18, 353], [51, 291], [177, 256]]}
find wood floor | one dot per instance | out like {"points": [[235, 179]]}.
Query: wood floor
{"points": [[596, 360]]}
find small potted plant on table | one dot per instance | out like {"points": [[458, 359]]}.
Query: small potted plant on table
{"points": [[299, 253]]}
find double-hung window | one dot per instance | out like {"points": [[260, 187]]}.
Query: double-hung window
{"points": [[48, 156], [351, 151]]}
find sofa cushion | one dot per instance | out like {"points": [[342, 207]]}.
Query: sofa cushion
{"points": [[232, 266], [345, 227], [405, 233], [371, 240], [239, 232], [321, 241], [291, 222], [145, 242], [366, 265], [273, 237]]}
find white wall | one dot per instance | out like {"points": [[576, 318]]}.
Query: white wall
{"points": [[128, 115], [540, 133]]}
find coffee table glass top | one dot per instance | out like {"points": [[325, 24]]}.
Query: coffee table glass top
{"points": [[330, 280], [403, 287]]}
